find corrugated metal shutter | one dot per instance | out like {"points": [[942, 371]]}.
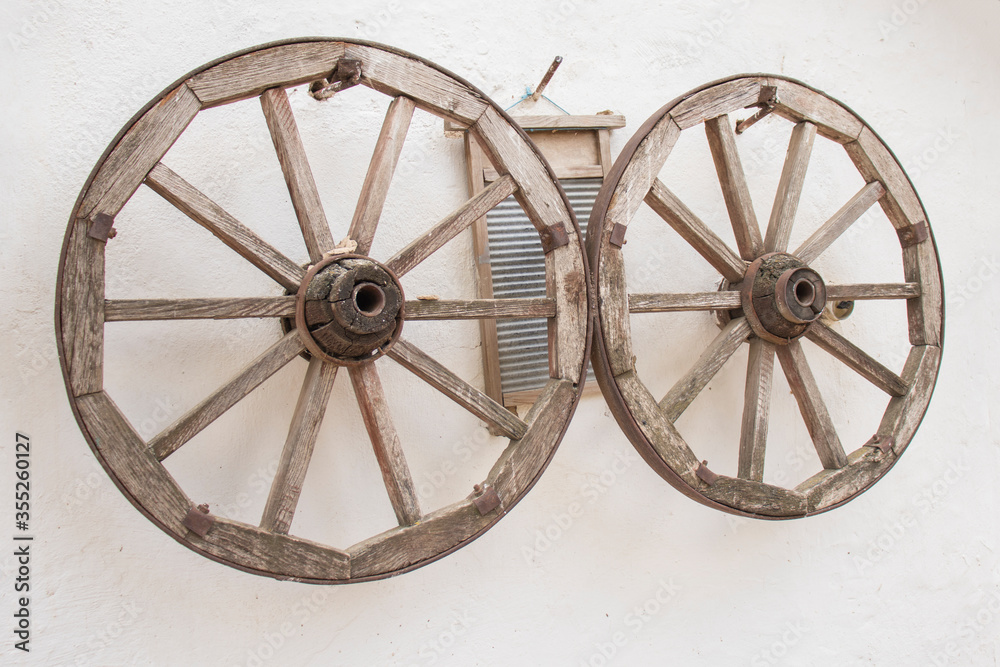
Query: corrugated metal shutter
{"points": [[518, 267]]}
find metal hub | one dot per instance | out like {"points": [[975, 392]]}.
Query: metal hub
{"points": [[349, 309], [782, 297]]}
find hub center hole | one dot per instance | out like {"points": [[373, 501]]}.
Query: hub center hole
{"points": [[805, 292], [369, 299]]}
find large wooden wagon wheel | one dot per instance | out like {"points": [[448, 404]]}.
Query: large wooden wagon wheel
{"points": [[343, 309], [769, 298]]}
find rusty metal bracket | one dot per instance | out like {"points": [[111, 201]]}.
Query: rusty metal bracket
{"points": [[883, 442], [706, 475], [553, 236], [487, 499], [618, 235], [913, 234], [767, 102], [346, 74], [101, 228], [199, 521]]}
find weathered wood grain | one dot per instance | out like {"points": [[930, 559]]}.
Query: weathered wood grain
{"points": [[475, 162], [798, 103], [297, 452], [640, 176], [210, 409], [383, 164], [83, 310], [756, 410], [128, 310], [831, 230], [695, 232], [524, 459], [864, 291], [395, 74], [282, 555], [537, 194], [829, 487], [570, 154], [709, 363], [614, 309], [756, 497], [876, 163], [298, 175], [553, 122], [856, 359], [811, 405], [604, 149], [454, 223], [138, 151], [474, 309], [663, 303], [225, 227], [925, 314], [659, 431], [571, 122], [457, 389], [903, 415], [141, 476], [251, 74], [408, 545], [722, 142], [385, 442], [786, 199], [717, 100], [566, 281]]}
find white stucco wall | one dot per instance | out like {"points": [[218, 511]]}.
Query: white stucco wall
{"points": [[907, 574]]}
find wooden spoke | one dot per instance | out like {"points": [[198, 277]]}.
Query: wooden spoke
{"points": [[298, 175], [722, 141], [295, 457], [756, 410], [269, 73], [664, 303], [261, 368], [776, 324], [840, 222], [712, 359], [457, 389], [125, 310], [864, 291], [380, 171], [385, 441], [858, 360], [477, 309], [695, 232], [814, 413], [225, 227], [447, 229], [786, 200]]}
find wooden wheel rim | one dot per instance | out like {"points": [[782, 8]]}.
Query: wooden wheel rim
{"points": [[133, 159], [649, 423]]}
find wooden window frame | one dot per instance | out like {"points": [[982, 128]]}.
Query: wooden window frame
{"points": [[576, 146]]}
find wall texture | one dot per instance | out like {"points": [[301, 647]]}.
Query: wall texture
{"points": [[636, 573]]}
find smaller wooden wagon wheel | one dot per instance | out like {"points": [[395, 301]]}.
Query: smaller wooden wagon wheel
{"points": [[770, 297], [344, 309]]}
